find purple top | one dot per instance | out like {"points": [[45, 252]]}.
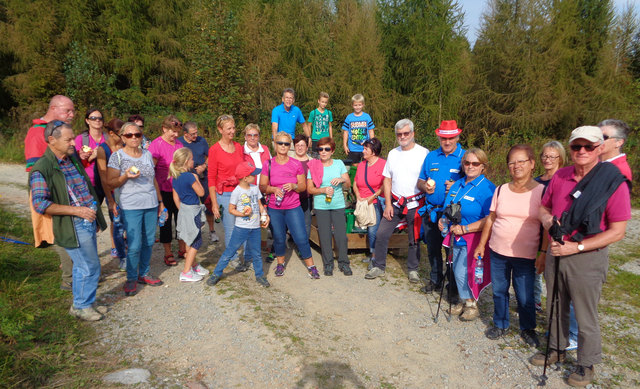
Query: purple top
{"points": [[284, 174], [163, 151]]}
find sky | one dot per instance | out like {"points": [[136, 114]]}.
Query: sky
{"points": [[473, 11]]}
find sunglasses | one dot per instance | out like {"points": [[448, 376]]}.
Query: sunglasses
{"points": [[586, 147], [94, 118], [403, 134], [132, 135], [252, 135], [283, 144], [327, 149], [474, 164]]}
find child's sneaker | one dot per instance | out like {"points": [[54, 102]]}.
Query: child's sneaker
{"points": [[313, 273], [280, 270], [114, 252], [270, 258], [213, 237], [263, 281], [199, 270], [123, 264], [190, 276]]}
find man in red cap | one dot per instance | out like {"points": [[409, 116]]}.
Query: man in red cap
{"points": [[440, 169]]}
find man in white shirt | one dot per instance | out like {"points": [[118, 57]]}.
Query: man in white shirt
{"points": [[403, 199]]}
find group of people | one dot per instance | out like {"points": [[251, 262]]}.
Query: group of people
{"points": [[491, 235]]}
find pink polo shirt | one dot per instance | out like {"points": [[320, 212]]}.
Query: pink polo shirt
{"points": [[163, 151], [558, 198]]}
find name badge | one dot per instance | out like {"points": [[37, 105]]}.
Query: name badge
{"points": [[577, 194], [412, 204], [469, 198], [454, 170]]}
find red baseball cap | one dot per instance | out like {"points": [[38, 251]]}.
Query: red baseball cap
{"points": [[448, 129], [246, 169]]}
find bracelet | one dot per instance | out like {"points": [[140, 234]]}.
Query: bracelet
{"points": [[543, 251], [466, 228]]}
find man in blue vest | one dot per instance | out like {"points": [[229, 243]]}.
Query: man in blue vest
{"points": [[440, 169]]}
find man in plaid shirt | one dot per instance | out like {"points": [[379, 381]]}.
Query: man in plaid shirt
{"points": [[61, 188]]}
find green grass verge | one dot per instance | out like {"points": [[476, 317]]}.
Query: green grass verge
{"points": [[38, 338]]}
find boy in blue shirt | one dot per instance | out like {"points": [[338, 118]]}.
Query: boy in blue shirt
{"points": [[320, 120], [357, 128]]}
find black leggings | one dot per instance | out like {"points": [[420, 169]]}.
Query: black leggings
{"points": [[172, 209]]}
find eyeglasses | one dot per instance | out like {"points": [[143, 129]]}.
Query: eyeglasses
{"points": [[176, 124], [519, 163], [94, 118], [469, 163], [327, 149], [283, 144], [132, 135], [253, 135], [588, 148], [403, 134], [543, 157]]}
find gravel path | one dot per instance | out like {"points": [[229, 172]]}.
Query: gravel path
{"points": [[335, 332]]}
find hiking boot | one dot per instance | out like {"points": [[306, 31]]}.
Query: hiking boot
{"points": [[582, 376], [494, 333], [279, 270], [470, 311], [149, 280], [190, 276], [530, 337], [313, 273], [375, 272], [130, 287], [87, 314], [328, 271], [101, 309], [263, 281], [414, 278], [456, 309], [346, 270], [554, 356], [199, 270], [213, 279], [66, 286]]}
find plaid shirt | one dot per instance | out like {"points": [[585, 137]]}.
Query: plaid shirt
{"points": [[41, 196]]}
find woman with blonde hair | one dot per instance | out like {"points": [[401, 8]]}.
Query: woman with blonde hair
{"points": [[187, 191]]}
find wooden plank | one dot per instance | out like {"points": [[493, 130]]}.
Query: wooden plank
{"points": [[357, 241]]}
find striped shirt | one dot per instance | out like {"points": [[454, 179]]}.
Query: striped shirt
{"points": [[41, 196]]}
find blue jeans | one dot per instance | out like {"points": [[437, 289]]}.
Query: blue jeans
{"points": [[240, 236], [523, 271], [86, 264], [228, 220], [141, 234], [372, 230], [117, 235], [293, 219], [460, 272], [573, 324], [537, 289]]}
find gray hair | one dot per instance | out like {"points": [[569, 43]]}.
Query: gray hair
{"points": [[54, 129], [289, 90], [189, 125], [557, 146], [402, 123], [621, 128]]}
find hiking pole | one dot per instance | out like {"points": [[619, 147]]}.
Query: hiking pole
{"points": [[448, 273]]}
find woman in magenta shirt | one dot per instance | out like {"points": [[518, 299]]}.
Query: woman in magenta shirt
{"points": [[87, 146], [162, 149], [224, 156]]}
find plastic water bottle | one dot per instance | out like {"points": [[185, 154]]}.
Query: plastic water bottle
{"points": [[278, 200], [218, 220], [163, 217], [117, 222], [479, 272], [445, 224], [94, 207]]}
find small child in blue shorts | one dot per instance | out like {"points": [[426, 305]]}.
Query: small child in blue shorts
{"points": [[250, 215]]}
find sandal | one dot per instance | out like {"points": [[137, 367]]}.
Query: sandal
{"points": [[169, 261], [181, 254]]}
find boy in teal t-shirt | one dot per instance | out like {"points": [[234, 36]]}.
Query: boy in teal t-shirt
{"points": [[320, 119]]}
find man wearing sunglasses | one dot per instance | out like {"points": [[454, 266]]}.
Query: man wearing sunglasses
{"points": [[440, 169], [403, 200], [615, 134], [588, 205], [60, 187]]}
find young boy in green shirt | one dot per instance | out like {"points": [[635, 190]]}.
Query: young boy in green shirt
{"points": [[320, 119]]}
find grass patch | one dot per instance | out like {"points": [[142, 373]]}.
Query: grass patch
{"points": [[12, 149], [38, 338]]}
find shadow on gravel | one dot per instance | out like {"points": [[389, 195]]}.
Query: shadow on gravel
{"points": [[328, 374]]}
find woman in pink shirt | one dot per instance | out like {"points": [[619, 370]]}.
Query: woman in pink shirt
{"points": [[224, 156], [514, 232], [162, 149], [87, 146]]}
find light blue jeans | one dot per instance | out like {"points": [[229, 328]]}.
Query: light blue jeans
{"points": [[460, 272], [372, 230], [228, 220], [86, 265], [249, 237], [141, 235]]}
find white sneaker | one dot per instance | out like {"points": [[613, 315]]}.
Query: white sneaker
{"points": [[190, 276], [213, 236], [199, 270]]}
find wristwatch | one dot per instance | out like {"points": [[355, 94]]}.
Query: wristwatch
{"points": [[580, 247]]}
